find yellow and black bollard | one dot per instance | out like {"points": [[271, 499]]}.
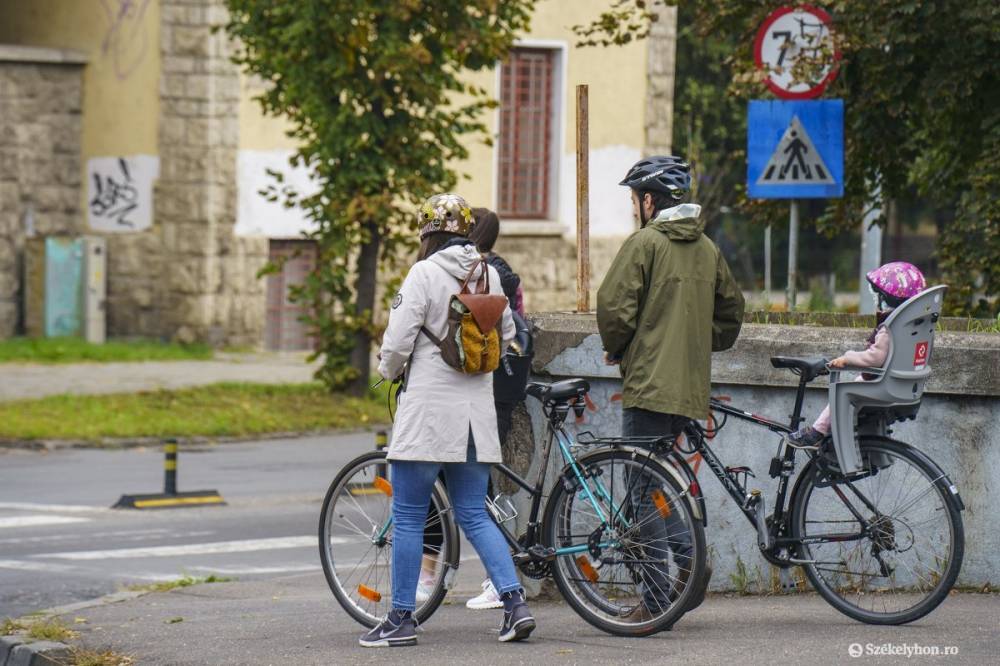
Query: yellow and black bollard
{"points": [[381, 442], [170, 498]]}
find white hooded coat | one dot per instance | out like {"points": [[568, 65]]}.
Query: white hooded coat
{"points": [[440, 403]]}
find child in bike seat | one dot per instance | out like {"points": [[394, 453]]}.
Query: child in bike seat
{"points": [[891, 285]]}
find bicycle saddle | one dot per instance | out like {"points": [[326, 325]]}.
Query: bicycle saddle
{"points": [[561, 390], [809, 368]]}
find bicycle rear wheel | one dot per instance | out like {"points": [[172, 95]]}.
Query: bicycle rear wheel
{"points": [[885, 548], [636, 576], [355, 541]]}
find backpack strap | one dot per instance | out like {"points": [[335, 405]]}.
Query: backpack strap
{"points": [[483, 283], [433, 338]]}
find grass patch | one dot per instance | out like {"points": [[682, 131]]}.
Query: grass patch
{"points": [[83, 657], [11, 626], [186, 581], [51, 630], [75, 350], [216, 410]]}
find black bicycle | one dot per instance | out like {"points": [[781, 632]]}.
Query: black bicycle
{"points": [[883, 547], [621, 533]]}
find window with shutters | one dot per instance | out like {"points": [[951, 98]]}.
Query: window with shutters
{"points": [[525, 155]]}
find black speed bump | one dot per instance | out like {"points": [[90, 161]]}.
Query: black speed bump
{"points": [[170, 498]]}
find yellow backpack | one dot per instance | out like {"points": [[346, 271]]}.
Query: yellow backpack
{"points": [[472, 342]]}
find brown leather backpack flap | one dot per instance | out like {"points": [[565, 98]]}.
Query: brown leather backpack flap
{"points": [[486, 309]]}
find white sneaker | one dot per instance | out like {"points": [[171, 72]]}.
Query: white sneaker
{"points": [[424, 590], [488, 599]]}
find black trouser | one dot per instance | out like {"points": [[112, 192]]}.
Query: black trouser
{"points": [[660, 535]]}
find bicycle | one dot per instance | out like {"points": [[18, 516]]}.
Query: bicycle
{"points": [[595, 539], [865, 542]]}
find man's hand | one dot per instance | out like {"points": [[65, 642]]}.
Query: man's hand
{"points": [[611, 360], [839, 362]]}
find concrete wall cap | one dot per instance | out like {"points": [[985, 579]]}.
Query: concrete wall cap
{"points": [[41, 55], [964, 363]]}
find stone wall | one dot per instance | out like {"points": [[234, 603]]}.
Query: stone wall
{"points": [[40, 103], [956, 425], [208, 288]]}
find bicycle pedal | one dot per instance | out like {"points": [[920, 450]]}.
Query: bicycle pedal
{"points": [[540, 552]]}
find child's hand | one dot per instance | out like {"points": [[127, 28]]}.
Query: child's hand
{"points": [[839, 362]]}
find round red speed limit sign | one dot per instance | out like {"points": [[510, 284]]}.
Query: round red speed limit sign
{"points": [[785, 36]]}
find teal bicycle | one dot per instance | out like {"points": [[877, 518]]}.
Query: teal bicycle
{"points": [[600, 537]]}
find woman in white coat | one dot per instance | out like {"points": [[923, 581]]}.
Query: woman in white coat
{"points": [[446, 421]]}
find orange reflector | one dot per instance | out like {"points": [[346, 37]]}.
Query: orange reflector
{"points": [[383, 485], [587, 568], [661, 503], [369, 594]]}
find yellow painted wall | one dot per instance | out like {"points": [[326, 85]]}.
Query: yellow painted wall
{"points": [[616, 76], [121, 104]]}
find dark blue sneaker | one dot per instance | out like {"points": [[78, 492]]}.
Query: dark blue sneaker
{"points": [[398, 629], [807, 436], [518, 622]]}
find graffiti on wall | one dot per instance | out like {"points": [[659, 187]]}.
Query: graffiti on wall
{"points": [[126, 39], [120, 192]]}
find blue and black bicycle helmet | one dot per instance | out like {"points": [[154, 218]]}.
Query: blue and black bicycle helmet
{"points": [[665, 174]]}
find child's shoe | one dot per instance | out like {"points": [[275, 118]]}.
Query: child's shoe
{"points": [[488, 599], [807, 436]]}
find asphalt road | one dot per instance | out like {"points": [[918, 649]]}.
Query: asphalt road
{"points": [[60, 542]]}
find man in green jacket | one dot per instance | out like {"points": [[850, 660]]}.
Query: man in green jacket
{"points": [[667, 302]]}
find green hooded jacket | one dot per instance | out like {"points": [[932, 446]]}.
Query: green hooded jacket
{"points": [[667, 302]]}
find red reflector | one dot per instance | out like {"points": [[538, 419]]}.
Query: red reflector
{"points": [[695, 489]]}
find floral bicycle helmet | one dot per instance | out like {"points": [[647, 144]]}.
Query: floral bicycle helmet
{"points": [[896, 282], [445, 213]]}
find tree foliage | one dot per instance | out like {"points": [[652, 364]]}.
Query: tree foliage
{"points": [[378, 102], [921, 84]]}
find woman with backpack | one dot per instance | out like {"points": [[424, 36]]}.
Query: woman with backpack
{"points": [[446, 418]]}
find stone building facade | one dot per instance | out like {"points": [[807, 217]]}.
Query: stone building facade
{"points": [[128, 120], [40, 106]]}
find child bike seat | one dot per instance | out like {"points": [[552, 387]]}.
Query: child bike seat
{"points": [[899, 386]]}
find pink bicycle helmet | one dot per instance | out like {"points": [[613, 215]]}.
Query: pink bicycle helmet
{"points": [[897, 281]]}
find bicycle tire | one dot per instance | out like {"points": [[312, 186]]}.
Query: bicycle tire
{"points": [[894, 534], [367, 611], [576, 582]]}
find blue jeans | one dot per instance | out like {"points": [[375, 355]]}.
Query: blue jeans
{"points": [[411, 495]]}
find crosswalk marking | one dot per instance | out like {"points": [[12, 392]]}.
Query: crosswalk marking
{"points": [[33, 521], [55, 508], [243, 546], [48, 567]]}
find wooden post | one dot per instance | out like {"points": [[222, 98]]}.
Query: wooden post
{"points": [[582, 201]]}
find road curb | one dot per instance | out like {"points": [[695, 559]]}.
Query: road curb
{"points": [[18, 651], [117, 443]]}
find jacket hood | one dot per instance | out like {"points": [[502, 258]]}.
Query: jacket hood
{"points": [[680, 223], [458, 260]]}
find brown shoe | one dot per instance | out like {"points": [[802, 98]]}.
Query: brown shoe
{"points": [[639, 614]]}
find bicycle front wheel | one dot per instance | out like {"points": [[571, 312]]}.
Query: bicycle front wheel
{"points": [[629, 548], [885, 548], [355, 542]]}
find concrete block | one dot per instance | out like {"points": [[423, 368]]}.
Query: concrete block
{"points": [[7, 645], [39, 653]]}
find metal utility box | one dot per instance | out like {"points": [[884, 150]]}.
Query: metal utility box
{"points": [[65, 287]]}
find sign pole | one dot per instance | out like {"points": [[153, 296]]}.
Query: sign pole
{"points": [[582, 200], [767, 264], [793, 246]]}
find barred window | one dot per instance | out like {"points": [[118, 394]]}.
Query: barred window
{"points": [[525, 140]]}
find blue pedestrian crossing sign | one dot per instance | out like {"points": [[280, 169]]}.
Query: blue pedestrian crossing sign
{"points": [[795, 149]]}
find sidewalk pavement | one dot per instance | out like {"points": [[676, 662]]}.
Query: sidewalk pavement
{"points": [[295, 620], [35, 380]]}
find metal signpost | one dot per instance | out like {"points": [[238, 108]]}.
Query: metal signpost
{"points": [[795, 149]]}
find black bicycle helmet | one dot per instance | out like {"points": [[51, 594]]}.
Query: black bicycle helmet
{"points": [[661, 173]]}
